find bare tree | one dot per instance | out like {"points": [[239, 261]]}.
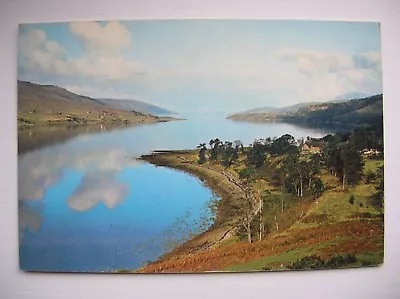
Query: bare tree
{"points": [[261, 228], [276, 224], [248, 209], [248, 213]]}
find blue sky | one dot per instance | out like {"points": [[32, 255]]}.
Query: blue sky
{"points": [[205, 65]]}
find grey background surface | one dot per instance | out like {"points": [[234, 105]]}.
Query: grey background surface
{"points": [[382, 282]]}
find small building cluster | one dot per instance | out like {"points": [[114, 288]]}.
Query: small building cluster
{"points": [[370, 152], [310, 148]]}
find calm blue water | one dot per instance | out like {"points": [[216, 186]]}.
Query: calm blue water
{"points": [[87, 205]]}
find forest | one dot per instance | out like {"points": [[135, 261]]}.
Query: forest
{"points": [[296, 168]]}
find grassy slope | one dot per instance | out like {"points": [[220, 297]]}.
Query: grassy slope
{"points": [[268, 113], [353, 113], [41, 104], [349, 228], [325, 227]]}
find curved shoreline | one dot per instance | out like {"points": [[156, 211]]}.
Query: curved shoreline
{"points": [[220, 182]]}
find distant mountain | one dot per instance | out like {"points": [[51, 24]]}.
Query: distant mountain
{"points": [[349, 96], [53, 104], [267, 113], [348, 114], [133, 105], [337, 113], [49, 99]]}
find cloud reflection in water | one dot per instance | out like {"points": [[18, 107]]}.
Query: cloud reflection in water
{"points": [[28, 219], [40, 170], [95, 189]]}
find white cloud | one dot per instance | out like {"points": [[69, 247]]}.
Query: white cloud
{"points": [[38, 51], [96, 38], [34, 39], [322, 76], [310, 61], [369, 60], [101, 61], [325, 86], [374, 57], [54, 48]]}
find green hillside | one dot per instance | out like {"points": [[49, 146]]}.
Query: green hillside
{"points": [[282, 110], [337, 115], [134, 105], [48, 104], [349, 114]]}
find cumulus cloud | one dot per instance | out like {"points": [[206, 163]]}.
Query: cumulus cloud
{"points": [[37, 40], [96, 38], [102, 59], [322, 76], [310, 61], [95, 189], [369, 60], [38, 52]]}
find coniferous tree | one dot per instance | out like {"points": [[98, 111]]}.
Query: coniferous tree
{"points": [[378, 197], [215, 145], [256, 154], [202, 153], [351, 164]]}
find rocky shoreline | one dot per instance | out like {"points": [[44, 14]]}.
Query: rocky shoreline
{"points": [[222, 183]]}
